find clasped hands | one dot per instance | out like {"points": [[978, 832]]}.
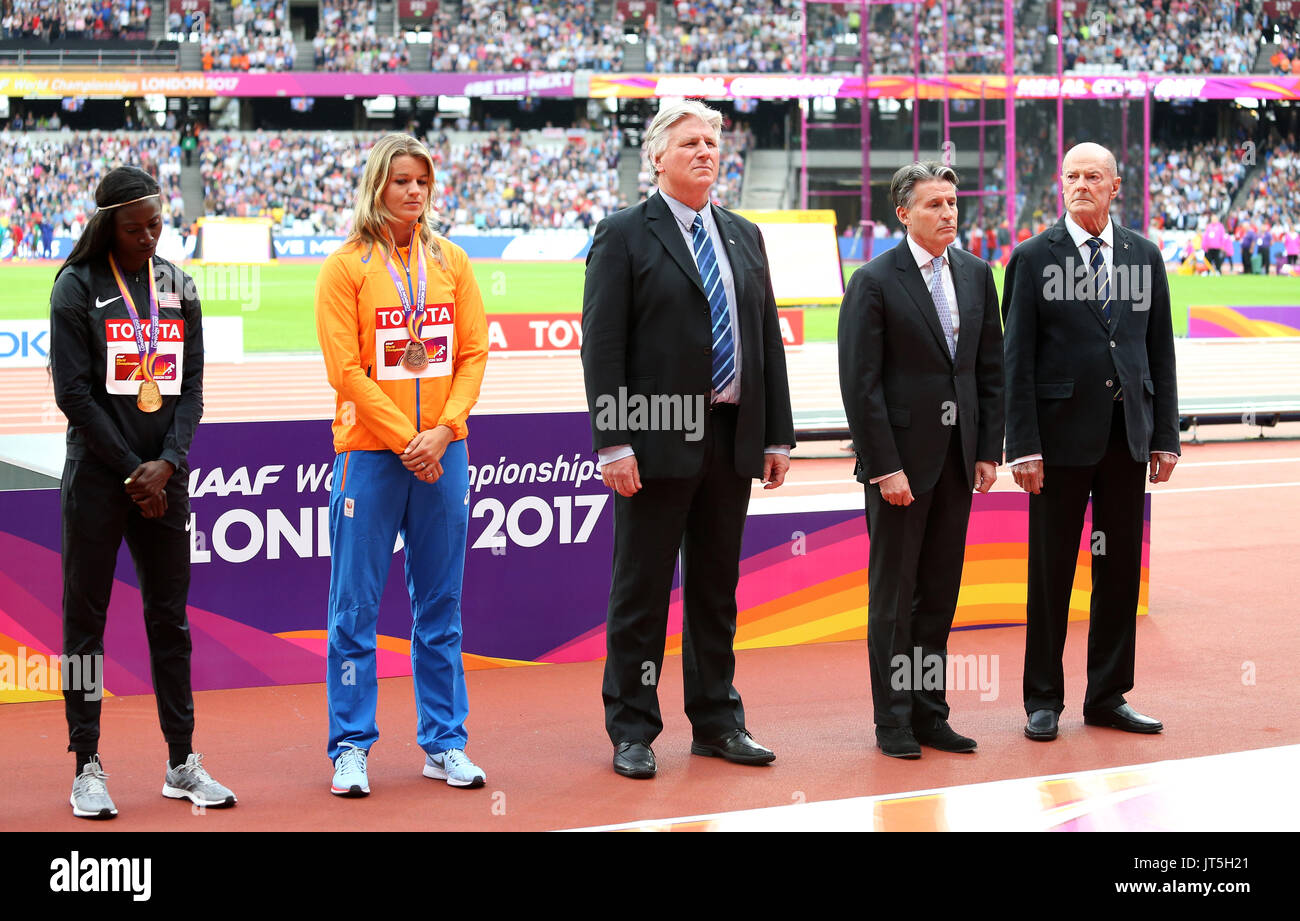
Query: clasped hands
{"points": [[423, 456], [147, 487]]}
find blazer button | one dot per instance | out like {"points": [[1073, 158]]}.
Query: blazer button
{"points": [[1112, 343], [1110, 383]]}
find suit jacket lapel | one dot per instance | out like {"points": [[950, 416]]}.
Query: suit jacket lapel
{"points": [[735, 256], [664, 226], [1067, 254], [1122, 264], [914, 285], [970, 300]]}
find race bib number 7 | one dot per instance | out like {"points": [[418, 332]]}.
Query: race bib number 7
{"points": [[124, 373], [392, 338]]}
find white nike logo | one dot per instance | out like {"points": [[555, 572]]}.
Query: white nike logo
{"points": [[101, 304]]}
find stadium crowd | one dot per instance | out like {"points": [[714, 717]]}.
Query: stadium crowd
{"points": [[488, 36], [1190, 185], [716, 36], [258, 39], [349, 41], [79, 19], [305, 180], [1165, 36], [47, 181]]}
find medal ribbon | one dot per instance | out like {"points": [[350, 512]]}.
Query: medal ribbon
{"points": [[147, 356], [414, 319]]}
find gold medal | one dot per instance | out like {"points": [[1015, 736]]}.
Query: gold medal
{"points": [[149, 400], [416, 357]]}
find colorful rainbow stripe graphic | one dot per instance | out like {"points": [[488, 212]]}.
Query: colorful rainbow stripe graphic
{"points": [[810, 590], [1264, 321]]}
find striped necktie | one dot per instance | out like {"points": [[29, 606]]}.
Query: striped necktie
{"points": [[724, 346], [1100, 277]]}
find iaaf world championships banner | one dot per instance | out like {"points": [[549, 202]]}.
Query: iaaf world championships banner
{"points": [[587, 85], [536, 574]]}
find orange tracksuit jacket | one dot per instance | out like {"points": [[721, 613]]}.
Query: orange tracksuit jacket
{"points": [[372, 414]]}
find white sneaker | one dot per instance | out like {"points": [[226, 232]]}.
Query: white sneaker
{"points": [[454, 766], [191, 781], [350, 778], [90, 799]]}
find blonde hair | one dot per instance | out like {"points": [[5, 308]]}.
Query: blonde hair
{"points": [[370, 217]]}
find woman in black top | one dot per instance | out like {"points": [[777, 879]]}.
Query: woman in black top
{"points": [[127, 361]]}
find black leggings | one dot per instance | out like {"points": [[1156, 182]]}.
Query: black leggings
{"points": [[97, 513]]}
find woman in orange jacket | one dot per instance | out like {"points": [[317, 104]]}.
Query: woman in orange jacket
{"points": [[400, 321]]}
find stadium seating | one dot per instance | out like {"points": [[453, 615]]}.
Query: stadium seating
{"points": [[1177, 36], [50, 176], [78, 19], [489, 36], [349, 40], [257, 39], [487, 182], [1191, 185]]}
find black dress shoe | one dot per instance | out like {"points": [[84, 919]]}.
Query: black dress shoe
{"points": [[738, 746], [634, 759], [1122, 717], [898, 742], [1042, 725], [940, 735]]}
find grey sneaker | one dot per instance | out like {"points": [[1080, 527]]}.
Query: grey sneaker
{"points": [[90, 799], [191, 781], [454, 766]]}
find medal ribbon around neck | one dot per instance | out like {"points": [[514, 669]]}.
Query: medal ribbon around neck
{"points": [[414, 318], [147, 356]]}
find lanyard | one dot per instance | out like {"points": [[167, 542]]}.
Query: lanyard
{"points": [[146, 355], [410, 300]]}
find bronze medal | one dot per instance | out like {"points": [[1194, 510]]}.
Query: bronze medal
{"points": [[149, 400], [416, 357]]}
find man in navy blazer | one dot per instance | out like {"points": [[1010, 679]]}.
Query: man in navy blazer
{"points": [[1092, 399], [920, 345], [686, 386]]}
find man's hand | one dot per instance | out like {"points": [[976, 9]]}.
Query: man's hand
{"points": [[154, 506], [149, 479], [896, 490], [1029, 476], [622, 476], [986, 474], [1162, 466], [775, 467], [423, 456]]}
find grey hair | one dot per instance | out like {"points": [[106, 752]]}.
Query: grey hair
{"points": [[902, 188], [655, 141]]}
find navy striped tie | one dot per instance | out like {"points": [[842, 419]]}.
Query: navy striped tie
{"points": [[724, 346], [1100, 278]]}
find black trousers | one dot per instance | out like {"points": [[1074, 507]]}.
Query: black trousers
{"points": [[913, 577], [1117, 486], [97, 514], [703, 518]]}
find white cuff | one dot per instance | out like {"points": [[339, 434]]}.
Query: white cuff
{"points": [[1026, 459], [874, 480], [777, 449], [612, 453]]}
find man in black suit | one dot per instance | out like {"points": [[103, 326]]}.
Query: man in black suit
{"points": [[921, 375], [1092, 398], [678, 313]]}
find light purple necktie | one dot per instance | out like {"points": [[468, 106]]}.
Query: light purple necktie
{"points": [[941, 304]]}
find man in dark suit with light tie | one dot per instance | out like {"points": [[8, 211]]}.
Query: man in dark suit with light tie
{"points": [[1092, 398], [920, 346], [678, 312]]}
